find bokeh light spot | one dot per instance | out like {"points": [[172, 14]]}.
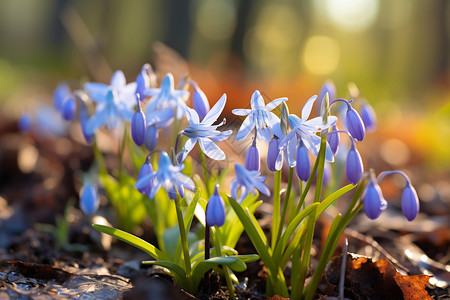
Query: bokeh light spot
{"points": [[216, 19], [321, 55], [352, 15]]}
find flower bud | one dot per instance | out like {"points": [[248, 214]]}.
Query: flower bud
{"points": [[369, 117], [355, 124], [142, 83], [147, 69], [252, 161], [146, 169], [138, 127], [25, 122], [89, 201], [410, 202], [62, 91], [274, 155], [200, 102], [69, 108], [333, 140], [215, 209], [151, 137], [303, 165], [83, 117], [374, 202], [330, 88], [353, 166]]}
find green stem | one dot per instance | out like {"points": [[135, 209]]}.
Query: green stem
{"points": [[321, 159], [276, 207], [205, 170], [122, 151], [226, 270], [184, 244], [286, 202]]}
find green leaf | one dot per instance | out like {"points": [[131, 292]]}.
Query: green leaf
{"points": [[233, 262], [174, 269], [132, 240], [331, 198]]}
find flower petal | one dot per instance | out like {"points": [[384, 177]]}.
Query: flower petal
{"points": [[97, 91], [306, 111], [190, 143], [215, 111], [257, 101], [274, 103], [118, 80], [241, 111], [211, 149], [192, 116], [95, 122], [246, 127]]}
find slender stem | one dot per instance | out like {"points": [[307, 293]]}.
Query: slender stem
{"points": [[286, 202], [276, 208], [184, 244], [205, 170], [226, 271], [321, 158], [207, 240]]}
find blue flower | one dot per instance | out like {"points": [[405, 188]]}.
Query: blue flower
{"points": [[354, 165], [25, 122], [248, 182], [168, 176], [151, 137], [138, 126], [199, 101], [204, 132], [69, 108], [303, 164], [252, 159], [374, 202], [146, 170], [305, 130], [167, 97], [369, 117], [410, 202], [260, 116], [215, 209], [355, 124], [60, 94], [84, 118], [333, 140], [327, 87], [274, 155], [89, 201]]}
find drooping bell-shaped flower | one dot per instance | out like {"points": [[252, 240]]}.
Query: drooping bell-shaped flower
{"points": [[83, 118], [355, 124], [374, 202], [69, 108], [199, 101], [138, 126], [354, 165], [89, 200], [25, 122], [215, 209], [333, 140], [410, 202], [146, 170], [274, 155], [60, 94], [303, 165], [252, 159], [369, 117], [151, 137]]}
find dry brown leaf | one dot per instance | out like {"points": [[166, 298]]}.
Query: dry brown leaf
{"points": [[413, 286]]}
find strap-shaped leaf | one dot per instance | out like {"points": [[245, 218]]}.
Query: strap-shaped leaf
{"points": [[174, 269], [132, 240], [233, 262], [330, 199], [248, 258]]}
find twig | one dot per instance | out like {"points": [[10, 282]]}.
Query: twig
{"points": [[343, 267]]}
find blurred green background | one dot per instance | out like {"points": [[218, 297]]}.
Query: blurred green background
{"points": [[397, 52]]}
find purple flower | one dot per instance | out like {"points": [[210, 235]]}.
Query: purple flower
{"points": [[260, 116], [327, 87], [215, 209], [369, 117], [374, 202], [69, 108], [83, 118], [199, 101], [138, 126], [89, 201], [252, 160], [151, 137], [354, 165], [303, 164], [333, 140], [248, 182], [62, 91], [355, 124], [25, 122], [410, 202], [274, 155], [146, 170]]}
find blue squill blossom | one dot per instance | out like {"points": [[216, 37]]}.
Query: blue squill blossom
{"points": [[138, 126], [199, 101], [110, 112], [327, 87], [410, 202], [354, 165], [303, 164], [333, 140], [89, 200], [305, 130], [215, 209], [83, 117], [151, 137], [168, 176], [166, 96], [61, 93], [374, 202], [69, 108], [355, 124], [248, 182], [274, 155], [204, 132], [252, 159], [369, 117], [125, 93], [146, 170], [260, 116], [25, 122]]}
